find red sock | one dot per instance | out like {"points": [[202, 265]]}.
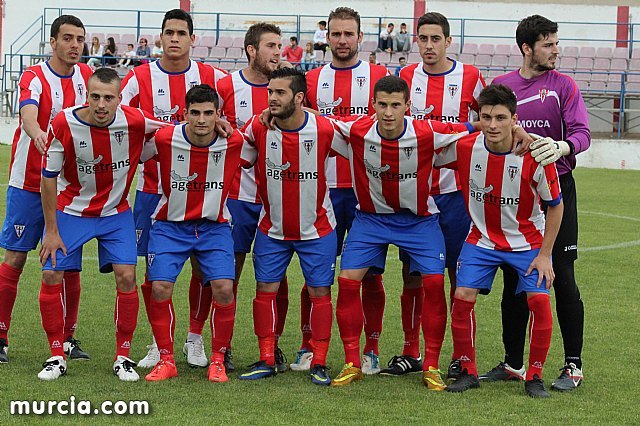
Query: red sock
{"points": [[350, 318], [9, 278], [305, 318], [321, 321], [163, 323], [52, 312], [373, 300], [146, 295], [71, 296], [540, 327], [411, 306], [434, 318], [463, 329], [125, 317], [265, 317], [282, 304], [222, 319], [200, 298]]}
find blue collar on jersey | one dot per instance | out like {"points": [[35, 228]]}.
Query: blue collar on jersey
{"points": [[401, 134], [453, 67], [75, 114], [184, 133], [250, 83], [58, 75], [306, 119], [172, 73], [484, 141], [347, 68]]}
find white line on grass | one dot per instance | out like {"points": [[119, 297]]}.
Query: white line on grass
{"points": [[634, 219], [612, 246]]}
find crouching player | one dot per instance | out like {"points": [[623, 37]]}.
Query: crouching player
{"points": [[92, 157], [197, 167], [503, 193]]}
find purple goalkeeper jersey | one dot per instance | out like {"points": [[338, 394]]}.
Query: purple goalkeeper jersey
{"points": [[551, 105]]}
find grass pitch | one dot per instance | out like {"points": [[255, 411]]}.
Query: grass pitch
{"points": [[606, 272]]}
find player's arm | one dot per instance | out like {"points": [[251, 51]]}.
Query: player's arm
{"points": [[447, 158], [130, 90], [149, 150], [249, 152], [53, 163], [29, 115]]}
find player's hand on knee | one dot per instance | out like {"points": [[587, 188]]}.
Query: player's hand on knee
{"points": [[546, 151], [51, 243], [543, 265]]}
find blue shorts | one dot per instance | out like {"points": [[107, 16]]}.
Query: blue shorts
{"points": [[24, 221], [344, 203], [371, 233], [244, 223], [172, 243], [271, 258], [455, 224], [143, 208], [116, 240], [477, 268]]}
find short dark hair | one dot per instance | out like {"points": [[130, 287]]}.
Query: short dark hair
{"points": [[254, 33], [498, 94], [65, 19], [403, 25], [293, 38], [180, 15], [391, 84], [435, 18], [106, 75], [323, 23], [130, 45], [200, 94], [532, 28], [346, 14], [298, 81]]}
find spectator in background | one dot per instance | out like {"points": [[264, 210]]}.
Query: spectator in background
{"points": [[403, 63], [96, 50], [85, 53], [373, 59], [129, 57], [403, 40], [156, 52], [293, 52], [309, 58], [109, 51], [320, 37], [142, 53], [387, 38]]}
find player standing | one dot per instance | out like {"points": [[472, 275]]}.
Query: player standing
{"points": [[244, 94], [296, 217], [445, 90], [549, 104], [503, 194], [86, 176], [344, 88], [197, 168], [44, 90], [159, 88]]}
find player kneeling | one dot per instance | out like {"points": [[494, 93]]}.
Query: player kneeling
{"points": [[503, 193], [197, 167]]}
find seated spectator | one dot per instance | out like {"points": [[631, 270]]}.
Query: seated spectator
{"points": [[142, 53], [129, 57], [309, 58], [293, 52], [320, 37], [403, 63], [373, 59], [387, 37], [109, 51], [85, 54], [156, 52], [403, 40], [95, 51]]}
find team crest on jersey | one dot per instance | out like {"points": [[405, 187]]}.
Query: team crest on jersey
{"points": [[150, 258], [543, 94], [513, 172], [138, 235], [453, 89], [408, 151], [80, 89], [361, 80], [216, 156], [19, 230], [119, 136], [308, 146]]}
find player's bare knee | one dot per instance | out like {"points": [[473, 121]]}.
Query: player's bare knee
{"points": [[52, 277], [15, 259], [125, 277], [466, 294], [319, 291], [353, 274], [267, 287], [222, 291], [161, 290]]}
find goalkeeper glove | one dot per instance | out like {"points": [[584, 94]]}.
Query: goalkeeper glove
{"points": [[546, 151]]}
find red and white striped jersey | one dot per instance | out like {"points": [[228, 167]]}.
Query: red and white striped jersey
{"points": [[290, 168], [502, 193], [162, 94], [451, 97], [343, 92], [95, 165], [40, 86], [195, 180], [394, 175], [241, 100]]}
